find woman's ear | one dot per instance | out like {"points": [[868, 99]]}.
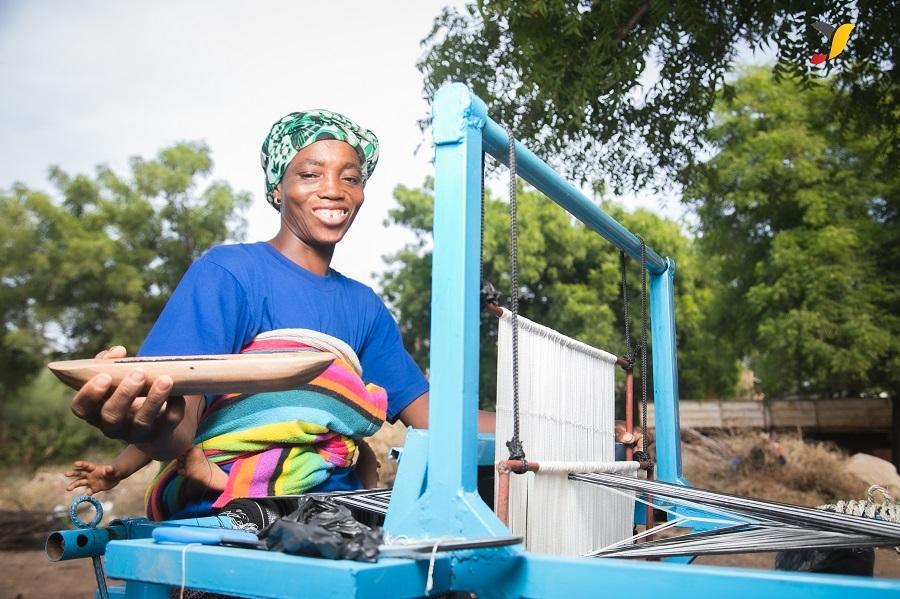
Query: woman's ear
{"points": [[276, 195]]}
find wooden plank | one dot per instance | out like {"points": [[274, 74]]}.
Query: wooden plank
{"points": [[793, 413], [821, 414], [700, 414], [842, 414], [743, 414]]}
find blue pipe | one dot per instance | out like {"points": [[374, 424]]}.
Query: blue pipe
{"points": [[544, 179], [91, 542]]}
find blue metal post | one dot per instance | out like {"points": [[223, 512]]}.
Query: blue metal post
{"points": [[665, 375], [455, 286], [450, 504]]}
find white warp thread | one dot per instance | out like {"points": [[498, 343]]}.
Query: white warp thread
{"points": [[566, 411], [628, 468]]}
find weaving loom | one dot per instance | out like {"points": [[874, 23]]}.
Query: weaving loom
{"points": [[567, 394], [434, 497]]}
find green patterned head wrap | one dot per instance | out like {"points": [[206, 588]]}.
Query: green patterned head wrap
{"points": [[300, 129]]}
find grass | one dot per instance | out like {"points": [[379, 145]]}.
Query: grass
{"points": [[812, 473], [37, 428]]}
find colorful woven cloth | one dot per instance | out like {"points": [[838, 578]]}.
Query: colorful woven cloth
{"points": [[279, 443]]}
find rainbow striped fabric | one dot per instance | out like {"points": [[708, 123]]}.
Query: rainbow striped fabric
{"points": [[279, 443]]}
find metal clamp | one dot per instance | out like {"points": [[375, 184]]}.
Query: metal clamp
{"points": [[102, 591]]}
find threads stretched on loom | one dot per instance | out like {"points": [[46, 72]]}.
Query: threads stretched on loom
{"points": [[567, 407]]}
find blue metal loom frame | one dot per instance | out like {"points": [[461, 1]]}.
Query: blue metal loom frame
{"points": [[435, 492]]}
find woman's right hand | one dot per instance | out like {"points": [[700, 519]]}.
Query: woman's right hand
{"points": [[120, 413]]}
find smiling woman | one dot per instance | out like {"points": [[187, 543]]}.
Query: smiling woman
{"points": [[319, 195], [232, 300], [316, 164]]}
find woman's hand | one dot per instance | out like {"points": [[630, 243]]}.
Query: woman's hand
{"points": [[120, 413]]}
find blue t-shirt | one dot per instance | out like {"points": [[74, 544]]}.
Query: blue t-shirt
{"points": [[235, 292]]}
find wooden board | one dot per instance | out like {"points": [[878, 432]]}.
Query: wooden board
{"points": [[192, 375], [856, 414]]}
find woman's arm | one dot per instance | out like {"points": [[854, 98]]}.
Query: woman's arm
{"points": [[416, 416], [182, 436]]}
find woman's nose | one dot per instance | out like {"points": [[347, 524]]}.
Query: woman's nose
{"points": [[331, 186]]}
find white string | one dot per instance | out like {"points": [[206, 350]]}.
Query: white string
{"points": [[184, 567], [429, 583], [541, 331], [650, 531], [602, 467], [728, 518], [567, 412]]}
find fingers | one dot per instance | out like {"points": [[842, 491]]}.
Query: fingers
{"points": [[88, 402], [82, 466], [116, 351], [91, 401], [81, 482], [114, 411], [171, 416], [129, 411], [145, 421]]}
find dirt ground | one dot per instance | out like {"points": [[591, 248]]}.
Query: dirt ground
{"points": [[811, 475]]}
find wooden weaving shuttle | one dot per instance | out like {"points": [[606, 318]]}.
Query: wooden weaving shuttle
{"points": [[213, 374]]}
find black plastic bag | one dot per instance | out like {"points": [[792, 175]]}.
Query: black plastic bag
{"points": [[856, 561], [321, 528]]}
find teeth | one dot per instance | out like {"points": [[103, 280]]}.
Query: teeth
{"points": [[331, 215]]}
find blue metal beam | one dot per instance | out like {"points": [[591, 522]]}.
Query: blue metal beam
{"points": [[546, 576], [665, 376], [539, 174], [252, 573]]}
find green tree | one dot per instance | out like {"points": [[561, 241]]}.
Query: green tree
{"points": [[95, 265], [570, 281], [799, 216], [578, 80]]}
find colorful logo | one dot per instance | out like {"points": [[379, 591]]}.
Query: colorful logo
{"points": [[837, 40]]}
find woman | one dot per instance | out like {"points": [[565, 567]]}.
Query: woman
{"points": [[316, 165]]}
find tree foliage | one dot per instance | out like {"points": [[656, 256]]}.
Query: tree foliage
{"points": [[570, 281], [799, 216], [617, 90], [95, 264]]}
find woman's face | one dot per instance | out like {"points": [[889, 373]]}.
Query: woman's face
{"points": [[321, 192]]}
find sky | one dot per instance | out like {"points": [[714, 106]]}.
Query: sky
{"points": [[99, 81]]}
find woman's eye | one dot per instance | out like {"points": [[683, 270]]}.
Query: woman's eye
{"points": [[308, 175], [352, 180]]}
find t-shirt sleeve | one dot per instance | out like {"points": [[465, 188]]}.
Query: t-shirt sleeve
{"points": [[386, 363], [206, 314]]}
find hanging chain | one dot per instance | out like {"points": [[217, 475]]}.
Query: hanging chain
{"points": [[629, 350], [481, 248], [644, 370], [514, 445]]}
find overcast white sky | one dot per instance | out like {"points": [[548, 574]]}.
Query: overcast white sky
{"points": [[98, 81]]}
